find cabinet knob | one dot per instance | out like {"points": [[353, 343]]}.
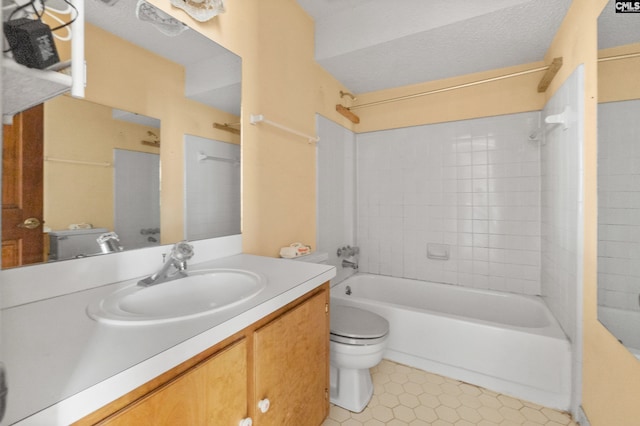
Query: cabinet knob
{"points": [[246, 422], [264, 405]]}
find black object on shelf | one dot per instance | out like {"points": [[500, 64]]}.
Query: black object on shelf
{"points": [[31, 42]]}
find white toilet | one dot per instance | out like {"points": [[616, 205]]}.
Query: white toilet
{"points": [[357, 342]]}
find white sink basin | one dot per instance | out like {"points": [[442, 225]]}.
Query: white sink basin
{"points": [[200, 293]]}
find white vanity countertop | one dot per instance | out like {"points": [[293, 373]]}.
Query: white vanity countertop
{"points": [[62, 365]]}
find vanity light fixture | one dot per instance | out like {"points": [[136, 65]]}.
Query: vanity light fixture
{"points": [[165, 23], [200, 10]]}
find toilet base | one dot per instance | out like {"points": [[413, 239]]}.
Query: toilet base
{"points": [[351, 389]]}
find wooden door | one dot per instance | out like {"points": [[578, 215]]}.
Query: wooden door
{"points": [[22, 156], [212, 393], [292, 365]]}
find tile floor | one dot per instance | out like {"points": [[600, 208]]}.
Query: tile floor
{"points": [[407, 396]]}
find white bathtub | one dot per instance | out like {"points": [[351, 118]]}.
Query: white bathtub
{"points": [[624, 324], [504, 342]]}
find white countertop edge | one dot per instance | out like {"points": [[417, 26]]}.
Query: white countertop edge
{"points": [[86, 402]]}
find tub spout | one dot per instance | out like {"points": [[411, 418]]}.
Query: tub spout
{"points": [[348, 264]]}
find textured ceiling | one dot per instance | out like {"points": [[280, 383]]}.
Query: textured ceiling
{"points": [[370, 45]]}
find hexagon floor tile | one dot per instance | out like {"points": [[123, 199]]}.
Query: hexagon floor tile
{"points": [[407, 396]]}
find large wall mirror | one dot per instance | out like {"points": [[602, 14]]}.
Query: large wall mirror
{"points": [[619, 175], [101, 163]]}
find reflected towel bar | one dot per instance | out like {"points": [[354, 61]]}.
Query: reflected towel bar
{"points": [[259, 118], [84, 163], [202, 157]]}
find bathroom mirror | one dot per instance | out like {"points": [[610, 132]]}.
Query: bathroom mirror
{"points": [[185, 81], [619, 176]]}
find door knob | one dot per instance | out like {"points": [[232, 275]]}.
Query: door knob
{"points": [[30, 223]]}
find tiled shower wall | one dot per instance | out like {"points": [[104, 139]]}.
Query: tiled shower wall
{"points": [[561, 154], [619, 205], [470, 188], [336, 192]]}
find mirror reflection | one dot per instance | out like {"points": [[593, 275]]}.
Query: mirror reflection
{"points": [[211, 209], [101, 175], [94, 168], [619, 176]]}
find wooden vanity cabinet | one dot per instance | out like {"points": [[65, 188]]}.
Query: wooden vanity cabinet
{"points": [[279, 365], [211, 393], [291, 368]]}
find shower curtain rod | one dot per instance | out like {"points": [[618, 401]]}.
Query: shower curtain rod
{"points": [[478, 82], [624, 56], [446, 89], [202, 157]]}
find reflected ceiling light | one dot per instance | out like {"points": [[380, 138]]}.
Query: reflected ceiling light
{"points": [[200, 10], [165, 23], [109, 2]]}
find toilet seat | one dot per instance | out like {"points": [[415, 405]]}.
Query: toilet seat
{"points": [[355, 326]]}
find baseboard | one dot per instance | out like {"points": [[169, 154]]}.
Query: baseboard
{"points": [[582, 418]]}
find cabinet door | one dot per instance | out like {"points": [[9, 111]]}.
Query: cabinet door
{"points": [[212, 393], [291, 365]]}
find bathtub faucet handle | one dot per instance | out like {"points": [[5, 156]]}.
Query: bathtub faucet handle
{"points": [[348, 251]]}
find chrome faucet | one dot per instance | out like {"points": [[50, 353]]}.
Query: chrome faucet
{"points": [[178, 257], [348, 264], [109, 242]]}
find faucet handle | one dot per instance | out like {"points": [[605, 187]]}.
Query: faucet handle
{"points": [[182, 251], [348, 251]]}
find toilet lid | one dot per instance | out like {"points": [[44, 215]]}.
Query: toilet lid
{"points": [[355, 323]]}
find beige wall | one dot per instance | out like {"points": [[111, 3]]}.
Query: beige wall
{"points": [[79, 130], [618, 79]]}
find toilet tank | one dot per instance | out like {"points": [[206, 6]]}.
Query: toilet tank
{"points": [[69, 244]]}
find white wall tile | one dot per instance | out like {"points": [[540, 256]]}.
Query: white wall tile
{"points": [[561, 156], [336, 203], [470, 184]]}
